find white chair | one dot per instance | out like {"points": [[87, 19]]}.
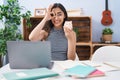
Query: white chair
{"points": [[76, 58], [106, 53]]}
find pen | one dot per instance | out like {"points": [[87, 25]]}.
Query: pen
{"points": [[111, 65], [91, 65]]}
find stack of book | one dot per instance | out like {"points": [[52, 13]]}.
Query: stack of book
{"points": [[83, 71]]}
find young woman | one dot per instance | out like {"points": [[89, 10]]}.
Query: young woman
{"points": [[51, 28]]}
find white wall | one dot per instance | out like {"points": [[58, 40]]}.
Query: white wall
{"points": [[1, 24], [1, 2], [92, 8]]}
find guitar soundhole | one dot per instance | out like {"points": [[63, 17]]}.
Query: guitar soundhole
{"points": [[107, 14], [106, 21]]}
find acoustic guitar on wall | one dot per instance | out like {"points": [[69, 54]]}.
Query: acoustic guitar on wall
{"points": [[106, 15]]}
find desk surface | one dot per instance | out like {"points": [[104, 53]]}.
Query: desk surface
{"points": [[111, 75]]}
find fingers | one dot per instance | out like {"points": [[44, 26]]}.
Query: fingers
{"points": [[50, 7], [66, 29], [48, 13], [68, 24], [69, 33]]}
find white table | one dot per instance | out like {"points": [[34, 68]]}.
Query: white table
{"points": [[112, 75]]}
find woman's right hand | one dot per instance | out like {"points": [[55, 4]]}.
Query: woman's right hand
{"points": [[48, 12]]}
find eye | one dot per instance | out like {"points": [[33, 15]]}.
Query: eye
{"points": [[59, 14], [52, 14]]}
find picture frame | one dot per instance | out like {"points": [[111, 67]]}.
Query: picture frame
{"points": [[40, 12]]}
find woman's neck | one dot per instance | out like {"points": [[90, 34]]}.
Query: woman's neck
{"points": [[57, 28]]}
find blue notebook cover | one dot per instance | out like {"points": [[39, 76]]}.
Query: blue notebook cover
{"points": [[80, 71], [31, 74]]}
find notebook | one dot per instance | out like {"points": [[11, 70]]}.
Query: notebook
{"points": [[96, 73], [28, 54], [30, 74], [81, 71]]}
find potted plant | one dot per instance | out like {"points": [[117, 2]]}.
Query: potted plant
{"points": [[10, 15], [107, 35]]}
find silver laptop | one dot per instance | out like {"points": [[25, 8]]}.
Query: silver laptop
{"points": [[28, 54]]}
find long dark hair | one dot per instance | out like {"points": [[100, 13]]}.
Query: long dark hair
{"points": [[48, 25]]}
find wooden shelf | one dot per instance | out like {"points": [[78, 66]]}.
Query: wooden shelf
{"points": [[83, 44], [104, 44], [96, 45], [84, 36]]}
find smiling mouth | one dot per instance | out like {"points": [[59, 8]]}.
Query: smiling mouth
{"points": [[56, 22]]}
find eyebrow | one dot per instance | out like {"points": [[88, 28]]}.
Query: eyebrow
{"points": [[59, 12]]}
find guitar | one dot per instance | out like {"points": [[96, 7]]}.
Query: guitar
{"points": [[106, 19]]}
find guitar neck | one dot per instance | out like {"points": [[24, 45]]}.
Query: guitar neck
{"points": [[106, 4]]}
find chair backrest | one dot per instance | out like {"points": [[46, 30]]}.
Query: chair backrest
{"points": [[76, 58], [106, 53]]}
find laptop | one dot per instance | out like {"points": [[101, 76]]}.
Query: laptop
{"points": [[28, 54]]}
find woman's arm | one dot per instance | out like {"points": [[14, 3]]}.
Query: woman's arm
{"points": [[38, 33], [71, 36]]}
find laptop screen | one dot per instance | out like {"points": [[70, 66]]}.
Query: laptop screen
{"points": [[28, 54]]}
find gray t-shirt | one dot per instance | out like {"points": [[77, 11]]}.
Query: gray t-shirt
{"points": [[59, 44]]}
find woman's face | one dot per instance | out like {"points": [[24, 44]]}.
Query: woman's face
{"points": [[58, 17]]}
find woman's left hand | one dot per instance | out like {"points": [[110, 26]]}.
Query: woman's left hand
{"points": [[69, 33]]}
